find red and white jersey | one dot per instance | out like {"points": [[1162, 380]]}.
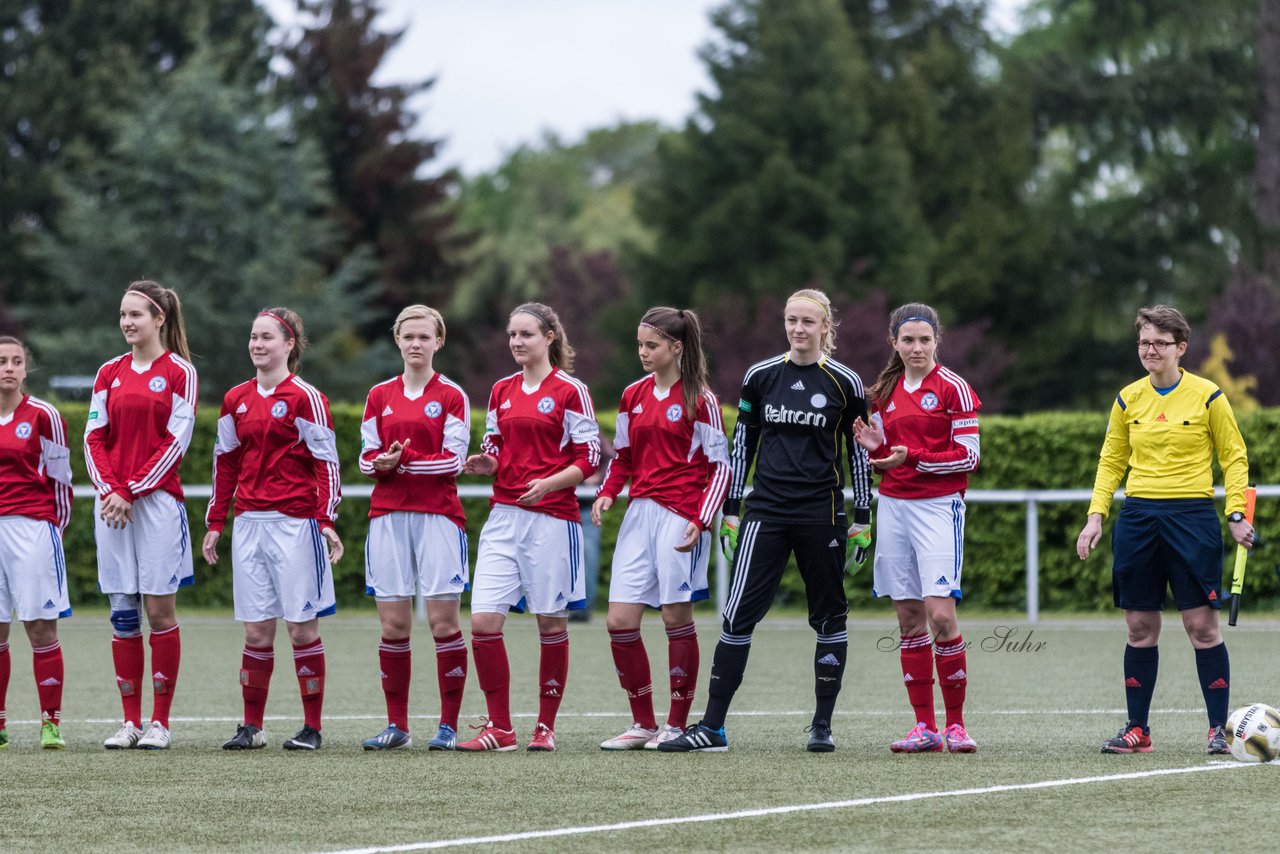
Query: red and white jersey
{"points": [[276, 450], [681, 464], [536, 432], [35, 464], [937, 421], [436, 422], [140, 426]]}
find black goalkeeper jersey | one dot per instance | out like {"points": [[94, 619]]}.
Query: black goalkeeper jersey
{"points": [[792, 420]]}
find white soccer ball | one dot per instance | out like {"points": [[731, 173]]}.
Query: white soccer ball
{"points": [[1253, 732]]}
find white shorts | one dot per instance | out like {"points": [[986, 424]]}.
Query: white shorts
{"points": [[647, 569], [528, 561], [408, 553], [33, 571], [919, 547], [151, 554], [280, 568]]}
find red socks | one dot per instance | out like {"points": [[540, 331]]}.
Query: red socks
{"points": [[682, 657], [917, 673], [952, 679], [632, 663], [128, 656], [6, 667], [494, 673], [553, 670], [451, 676], [256, 665], [46, 661], [308, 661], [396, 662], [166, 652]]}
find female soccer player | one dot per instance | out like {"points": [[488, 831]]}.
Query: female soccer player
{"points": [[671, 445], [797, 409], [1165, 429], [924, 440], [276, 455], [414, 436], [541, 440], [35, 506], [140, 423]]}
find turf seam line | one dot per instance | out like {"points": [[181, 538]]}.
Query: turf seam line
{"points": [[783, 810]]}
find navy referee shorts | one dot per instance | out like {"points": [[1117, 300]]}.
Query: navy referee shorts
{"points": [[1162, 543]]}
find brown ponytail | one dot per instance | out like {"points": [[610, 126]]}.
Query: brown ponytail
{"points": [[902, 314], [291, 326], [682, 325], [162, 301], [560, 352]]}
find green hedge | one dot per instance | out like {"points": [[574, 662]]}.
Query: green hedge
{"points": [[1043, 451]]}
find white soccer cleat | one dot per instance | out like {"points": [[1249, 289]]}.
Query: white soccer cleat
{"points": [[155, 738], [666, 733], [126, 738], [635, 738]]}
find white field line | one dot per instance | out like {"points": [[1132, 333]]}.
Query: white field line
{"points": [[868, 713], [784, 810]]}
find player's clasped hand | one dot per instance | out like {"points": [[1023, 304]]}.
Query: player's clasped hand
{"points": [[480, 464], [729, 536], [537, 490], [860, 547], [389, 459], [871, 437], [116, 511]]}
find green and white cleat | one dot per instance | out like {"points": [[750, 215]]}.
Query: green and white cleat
{"points": [[50, 736]]}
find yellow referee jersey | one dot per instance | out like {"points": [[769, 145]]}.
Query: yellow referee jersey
{"points": [[1167, 443]]}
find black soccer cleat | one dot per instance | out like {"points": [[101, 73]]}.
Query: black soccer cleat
{"points": [[697, 738], [247, 737], [820, 740], [1218, 742], [306, 739]]}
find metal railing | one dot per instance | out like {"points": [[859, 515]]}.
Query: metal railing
{"points": [[1031, 499]]}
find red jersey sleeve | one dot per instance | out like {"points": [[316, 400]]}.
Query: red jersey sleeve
{"points": [[581, 428], [708, 431], [964, 454], [317, 433], [371, 435], [96, 430], [618, 471], [226, 467], [55, 462], [181, 424]]}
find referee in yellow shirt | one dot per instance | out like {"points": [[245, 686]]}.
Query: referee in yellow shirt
{"points": [[1165, 429]]}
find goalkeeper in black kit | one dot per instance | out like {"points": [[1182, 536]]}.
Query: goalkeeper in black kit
{"points": [[795, 416]]}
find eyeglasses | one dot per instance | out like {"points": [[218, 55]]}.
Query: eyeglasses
{"points": [[1158, 346]]}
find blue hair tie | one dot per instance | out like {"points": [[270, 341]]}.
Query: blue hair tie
{"points": [[915, 317]]}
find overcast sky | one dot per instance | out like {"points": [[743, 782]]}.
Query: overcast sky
{"points": [[508, 69]]}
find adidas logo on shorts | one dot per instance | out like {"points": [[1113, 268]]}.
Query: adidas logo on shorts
{"points": [[241, 409], [684, 587], [48, 604], [942, 579], [798, 385], [559, 597], [173, 579], [457, 579], [308, 607], [457, 673], [829, 658]]}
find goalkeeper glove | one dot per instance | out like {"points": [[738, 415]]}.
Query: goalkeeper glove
{"points": [[729, 536], [860, 541]]}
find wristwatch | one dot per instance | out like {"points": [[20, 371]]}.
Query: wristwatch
{"points": [[1235, 517]]}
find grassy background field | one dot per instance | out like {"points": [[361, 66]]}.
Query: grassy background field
{"points": [[1039, 713]]}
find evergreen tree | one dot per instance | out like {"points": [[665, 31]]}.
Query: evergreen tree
{"points": [[207, 192], [382, 197]]}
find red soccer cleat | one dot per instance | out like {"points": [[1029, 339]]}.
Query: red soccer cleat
{"points": [[543, 740], [490, 738]]}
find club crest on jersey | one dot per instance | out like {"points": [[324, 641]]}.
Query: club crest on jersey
{"points": [[278, 409], [546, 405], [929, 402], [433, 409], [157, 384], [674, 412], [818, 401], [23, 430]]}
